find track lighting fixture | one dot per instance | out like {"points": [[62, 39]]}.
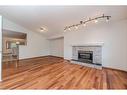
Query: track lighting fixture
{"points": [[86, 21]]}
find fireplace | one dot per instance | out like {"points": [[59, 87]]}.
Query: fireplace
{"points": [[85, 56], [90, 56]]}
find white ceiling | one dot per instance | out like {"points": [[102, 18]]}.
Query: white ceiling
{"points": [[55, 18]]}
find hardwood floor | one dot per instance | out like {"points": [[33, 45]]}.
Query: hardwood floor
{"points": [[56, 73]]}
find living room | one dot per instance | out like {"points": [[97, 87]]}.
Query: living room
{"points": [[66, 47]]}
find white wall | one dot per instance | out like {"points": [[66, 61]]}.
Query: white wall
{"points": [[114, 36], [57, 47], [37, 45], [0, 48]]}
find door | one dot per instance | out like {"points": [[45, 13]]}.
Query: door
{"points": [[0, 48]]}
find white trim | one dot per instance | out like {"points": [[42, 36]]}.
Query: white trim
{"points": [[89, 44]]}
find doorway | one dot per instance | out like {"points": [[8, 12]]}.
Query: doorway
{"points": [[57, 47], [11, 42]]}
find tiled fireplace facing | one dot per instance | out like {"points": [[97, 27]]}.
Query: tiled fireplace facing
{"points": [[87, 55]]}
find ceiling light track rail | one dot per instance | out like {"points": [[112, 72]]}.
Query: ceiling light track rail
{"points": [[86, 21]]}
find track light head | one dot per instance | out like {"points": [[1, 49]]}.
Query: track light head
{"points": [[81, 22], [96, 21], [107, 19], [84, 24], [76, 27], [69, 29]]}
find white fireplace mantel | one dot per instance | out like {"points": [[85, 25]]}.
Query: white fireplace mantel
{"points": [[88, 44]]}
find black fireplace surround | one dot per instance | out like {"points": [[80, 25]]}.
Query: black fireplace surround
{"points": [[85, 56]]}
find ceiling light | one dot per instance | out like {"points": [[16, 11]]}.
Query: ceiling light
{"points": [[42, 29]]}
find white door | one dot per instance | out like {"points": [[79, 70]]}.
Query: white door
{"points": [[0, 48]]}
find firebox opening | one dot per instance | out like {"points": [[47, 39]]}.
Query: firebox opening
{"points": [[85, 56]]}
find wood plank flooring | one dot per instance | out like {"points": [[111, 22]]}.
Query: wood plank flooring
{"points": [[56, 73]]}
